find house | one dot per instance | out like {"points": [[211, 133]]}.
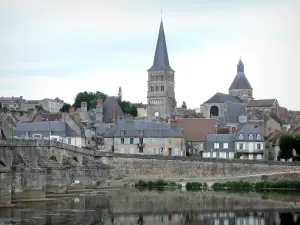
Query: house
{"points": [[266, 105], [49, 129], [186, 113], [272, 146], [141, 110], [51, 105], [13, 103], [195, 131], [145, 137], [249, 142], [219, 146]]}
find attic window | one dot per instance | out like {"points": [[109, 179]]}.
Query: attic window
{"points": [[258, 137], [241, 136], [250, 137]]}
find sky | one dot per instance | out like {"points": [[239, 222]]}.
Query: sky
{"points": [[57, 48]]}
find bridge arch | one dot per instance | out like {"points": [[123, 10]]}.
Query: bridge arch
{"points": [[2, 163], [53, 158]]}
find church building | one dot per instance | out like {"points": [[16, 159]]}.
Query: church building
{"points": [[161, 82]]}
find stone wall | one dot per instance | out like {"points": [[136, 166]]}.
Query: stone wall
{"points": [[135, 167]]}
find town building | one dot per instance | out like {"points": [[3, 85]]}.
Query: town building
{"points": [[13, 103], [161, 82], [145, 137]]}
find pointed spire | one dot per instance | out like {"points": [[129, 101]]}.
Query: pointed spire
{"points": [[240, 66], [161, 58]]}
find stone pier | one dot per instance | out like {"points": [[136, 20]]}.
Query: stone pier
{"points": [[96, 173], [5, 186]]}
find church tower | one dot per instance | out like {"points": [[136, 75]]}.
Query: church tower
{"points": [[161, 83], [240, 86]]}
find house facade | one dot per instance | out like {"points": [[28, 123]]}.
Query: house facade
{"points": [[219, 146], [249, 142], [145, 137]]}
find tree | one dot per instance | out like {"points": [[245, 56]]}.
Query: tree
{"points": [[296, 144], [65, 108], [184, 105], [120, 94], [0, 105], [89, 97], [128, 108], [286, 145]]}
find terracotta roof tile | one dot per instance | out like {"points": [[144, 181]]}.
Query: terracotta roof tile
{"points": [[196, 129]]}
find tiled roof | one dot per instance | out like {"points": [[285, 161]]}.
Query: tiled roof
{"points": [[161, 58], [261, 103], [223, 98], [136, 128], [197, 129]]}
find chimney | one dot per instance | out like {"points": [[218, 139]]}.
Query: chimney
{"points": [[72, 109], [83, 107], [99, 111], [114, 113]]}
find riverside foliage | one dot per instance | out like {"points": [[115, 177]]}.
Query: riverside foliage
{"points": [[157, 184]]}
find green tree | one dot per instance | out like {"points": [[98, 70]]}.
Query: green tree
{"points": [[286, 145], [89, 97], [237, 155], [297, 144], [184, 105], [65, 108], [128, 108], [0, 105]]}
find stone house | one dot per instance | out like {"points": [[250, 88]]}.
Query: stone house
{"points": [[146, 137], [195, 131], [249, 142], [58, 130], [219, 146]]}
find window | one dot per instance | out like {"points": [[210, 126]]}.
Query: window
{"points": [[250, 137], [241, 146], [122, 141], [258, 137], [135, 140], [150, 151], [214, 154], [131, 141], [150, 140], [176, 152], [157, 88], [225, 145], [131, 150], [258, 146], [162, 77], [241, 136], [151, 88], [161, 150], [159, 141], [216, 146], [162, 88], [170, 140], [231, 155], [152, 77], [122, 150]]}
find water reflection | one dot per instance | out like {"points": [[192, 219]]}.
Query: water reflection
{"points": [[140, 209]]}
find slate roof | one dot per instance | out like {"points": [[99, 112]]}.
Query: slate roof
{"points": [[185, 113], [240, 81], [220, 137], [47, 116], [108, 109], [197, 129], [136, 128], [248, 129], [223, 98], [261, 103], [58, 128], [102, 128], [234, 110], [161, 58]]}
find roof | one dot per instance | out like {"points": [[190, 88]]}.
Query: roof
{"points": [[248, 129], [186, 113], [102, 128], [135, 128], [108, 109], [56, 127], [240, 81], [139, 105], [261, 103], [161, 58], [234, 111], [197, 129], [223, 98], [48, 116], [220, 137]]}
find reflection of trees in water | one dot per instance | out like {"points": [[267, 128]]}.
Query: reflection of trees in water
{"points": [[140, 220], [288, 219]]}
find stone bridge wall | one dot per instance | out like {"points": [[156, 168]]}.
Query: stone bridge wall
{"points": [[134, 167]]}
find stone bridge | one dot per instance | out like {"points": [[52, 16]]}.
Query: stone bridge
{"points": [[31, 168]]}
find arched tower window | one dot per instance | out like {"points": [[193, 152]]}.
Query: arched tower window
{"points": [[214, 111], [151, 88], [162, 88], [161, 77], [157, 88]]}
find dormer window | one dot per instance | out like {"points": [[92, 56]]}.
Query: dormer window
{"points": [[250, 137], [258, 137], [241, 136]]}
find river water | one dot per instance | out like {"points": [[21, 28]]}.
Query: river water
{"points": [[130, 207]]}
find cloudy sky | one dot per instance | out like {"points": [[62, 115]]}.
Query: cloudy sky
{"points": [[57, 48]]}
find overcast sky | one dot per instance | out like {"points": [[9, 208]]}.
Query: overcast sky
{"points": [[57, 48]]}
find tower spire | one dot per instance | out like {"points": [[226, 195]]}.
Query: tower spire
{"points": [[240, 66], [161, 58]]}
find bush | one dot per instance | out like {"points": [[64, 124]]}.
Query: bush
{"points": [[156, 184], [190, 186]]}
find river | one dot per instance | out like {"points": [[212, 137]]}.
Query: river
{"points": [[130, 207]]}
